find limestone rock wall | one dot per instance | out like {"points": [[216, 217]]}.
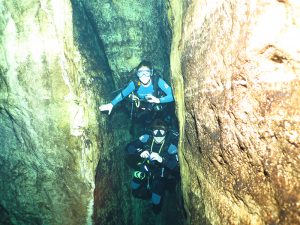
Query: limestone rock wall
{"points": [[235, 73], [240, 66], [59, 61], [49, 135]]}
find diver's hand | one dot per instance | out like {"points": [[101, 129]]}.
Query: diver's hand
{"points": [[156, 156], [107, 107], [152, 99], [145, 154]]}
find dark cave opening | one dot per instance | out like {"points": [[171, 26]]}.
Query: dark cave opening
{"points": [[106, 54]]}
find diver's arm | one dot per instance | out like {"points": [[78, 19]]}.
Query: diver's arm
{"points": [[167, 90], [134, 149], [138, 146], [171, 158], [123, 94]]}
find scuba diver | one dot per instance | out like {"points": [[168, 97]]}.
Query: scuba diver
{"points": [[148, 93], [157, 166]]}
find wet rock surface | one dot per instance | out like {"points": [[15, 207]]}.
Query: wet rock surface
{"points": [[235, 73], [49, 129], [59, 61], [240, 67], [131, 31]]}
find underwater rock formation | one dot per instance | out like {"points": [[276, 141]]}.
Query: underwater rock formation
{"points": [[57, 65], [235, 73], [49, 131], [130, 31], [240, 63]]}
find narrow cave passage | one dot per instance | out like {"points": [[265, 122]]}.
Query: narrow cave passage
{"points": [[235, 69], [115, 37]]}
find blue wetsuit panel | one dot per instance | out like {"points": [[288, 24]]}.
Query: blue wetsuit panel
{"points": [[167, 90], [144, 138], [124, 93], [143, 91], [172, 149]]}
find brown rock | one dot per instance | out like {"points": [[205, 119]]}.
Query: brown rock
{"points": [[240, 63]]}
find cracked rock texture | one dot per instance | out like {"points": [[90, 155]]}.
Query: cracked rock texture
{"points": [[49, 133], [131, 30], [240, 65], [235, 69], [61, 161]]}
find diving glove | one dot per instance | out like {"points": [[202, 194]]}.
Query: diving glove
{"points": [[156, 156], [145, 154], [107, 107]]}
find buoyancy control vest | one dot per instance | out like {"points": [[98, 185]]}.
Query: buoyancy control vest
{"points": [[143, 104]]}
